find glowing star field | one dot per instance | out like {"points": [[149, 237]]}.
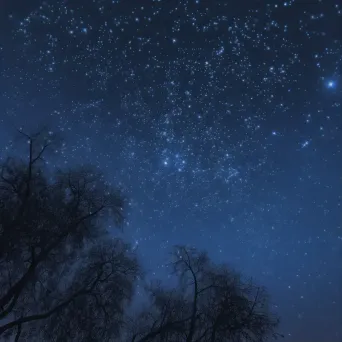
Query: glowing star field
{"points": [[220, 119]]}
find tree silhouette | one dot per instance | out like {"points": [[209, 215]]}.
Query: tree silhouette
{"points": [[61, 275], [210, 304]]}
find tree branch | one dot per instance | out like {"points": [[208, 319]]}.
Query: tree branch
{"points": [[167, 327], [17, 288], [49, 313], [17, 336], [40, 153]]}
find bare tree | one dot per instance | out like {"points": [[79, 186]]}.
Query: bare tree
{"points": [[212, 303], [54, 265]]}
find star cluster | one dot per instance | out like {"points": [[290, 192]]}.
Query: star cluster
{"points": [[222, 122]]}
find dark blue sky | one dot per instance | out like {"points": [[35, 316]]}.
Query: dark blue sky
{"points": [[220, 119]]}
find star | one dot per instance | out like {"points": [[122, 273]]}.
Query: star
{"points": [[210, 114], [331, 84]]}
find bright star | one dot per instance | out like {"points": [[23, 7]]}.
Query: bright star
{"points": [[331, 84], [305, 143]]}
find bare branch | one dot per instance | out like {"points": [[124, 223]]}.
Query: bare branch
{"points": [[17, 336]]}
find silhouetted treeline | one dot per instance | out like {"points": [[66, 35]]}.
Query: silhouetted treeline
{"points": [[63, 277]]}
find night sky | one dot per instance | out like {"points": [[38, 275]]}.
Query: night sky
{"points": [[221, 120]]}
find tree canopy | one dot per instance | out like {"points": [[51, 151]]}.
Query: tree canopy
{"points": [[211, 303]]}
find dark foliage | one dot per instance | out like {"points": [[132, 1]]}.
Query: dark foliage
{"points": [[54, 263]]}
